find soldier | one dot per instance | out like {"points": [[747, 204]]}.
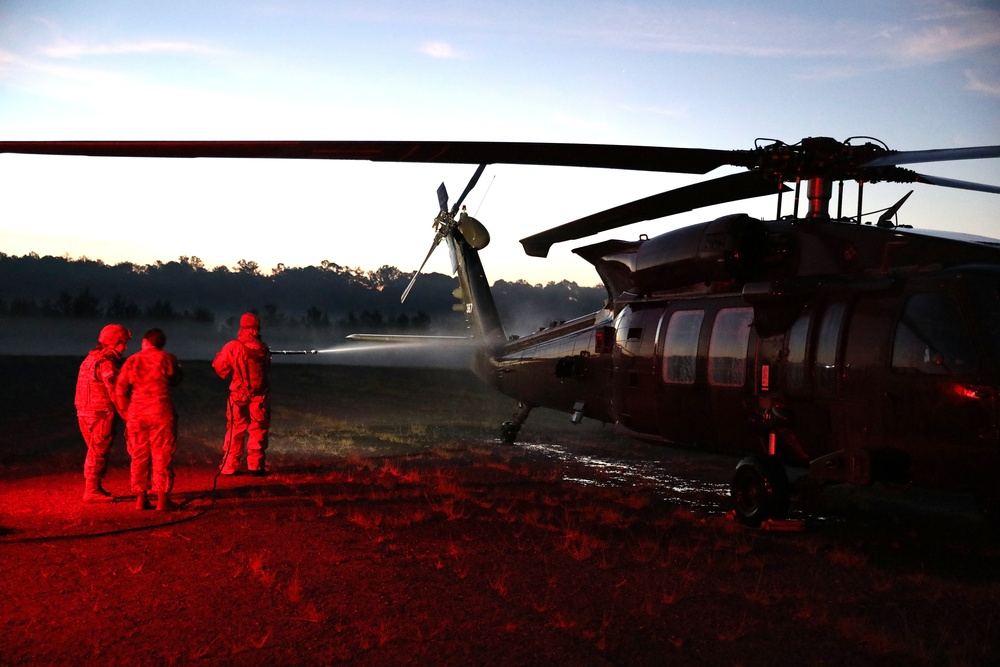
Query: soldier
{"points": [[246, 362], [143, 391], [95, 406]]}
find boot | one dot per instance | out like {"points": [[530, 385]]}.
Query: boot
{"points": [[92, 492], [142, 501], [164, 503], [101, 490]]}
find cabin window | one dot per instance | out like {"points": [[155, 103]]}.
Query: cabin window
{"points": [[680, 349], [931, 338], [826, 348], [795, 361], [727, 349]]}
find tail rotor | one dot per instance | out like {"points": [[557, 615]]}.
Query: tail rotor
{"points": [[445, 223]]}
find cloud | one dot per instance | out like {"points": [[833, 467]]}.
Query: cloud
{"points": [[663, 28], [945, 42], [439, 50], [67, 49], [7, 61], [831, 72], [653, 110], [828, 42], [978, 83]]}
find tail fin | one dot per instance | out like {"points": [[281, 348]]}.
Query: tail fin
{"points": [[481, 313]]}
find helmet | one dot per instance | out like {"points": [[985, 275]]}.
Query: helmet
{"points": [[113, 334], [249, 321]]}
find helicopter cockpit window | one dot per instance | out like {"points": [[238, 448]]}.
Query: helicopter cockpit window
{"points": [[680, 349], [931, 338], [727, 349]]}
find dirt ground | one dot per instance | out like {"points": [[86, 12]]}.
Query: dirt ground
{"points": [[396, 529]]}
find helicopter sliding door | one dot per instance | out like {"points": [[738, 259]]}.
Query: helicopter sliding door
{"points": [[706, 374], [858, 409], [830, 383], [682, 401], [730, 376], [805, 386]]}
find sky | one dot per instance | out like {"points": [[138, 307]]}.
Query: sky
{"points": [[915, 74]]}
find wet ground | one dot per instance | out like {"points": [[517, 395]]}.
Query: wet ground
{"points": [[396, 529], [701, 482]]}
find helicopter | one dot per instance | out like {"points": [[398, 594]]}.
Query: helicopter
{"points": [[852, 352]]}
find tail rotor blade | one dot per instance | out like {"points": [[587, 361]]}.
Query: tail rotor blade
{"points": [[442, 197], [434, 244], [468, 189]]}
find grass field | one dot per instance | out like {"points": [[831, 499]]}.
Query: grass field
{"points": [[397, 529]]}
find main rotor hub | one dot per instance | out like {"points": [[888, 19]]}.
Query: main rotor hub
{"points": [[817, 157], [820, 161]]}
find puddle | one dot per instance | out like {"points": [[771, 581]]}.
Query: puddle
{"points": [[622, 471]]}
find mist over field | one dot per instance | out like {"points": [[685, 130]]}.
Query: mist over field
{"points": [[198, 341], [56, 306]]}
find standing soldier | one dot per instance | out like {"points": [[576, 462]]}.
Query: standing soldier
{"points": [[143, 391], [95, 406], [246, 362]]}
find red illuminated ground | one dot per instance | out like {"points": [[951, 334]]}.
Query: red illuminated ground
{"points": [[395, 530]]}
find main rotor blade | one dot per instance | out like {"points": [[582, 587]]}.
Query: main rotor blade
{"points": [[934, 155], [639, 158], [954, 183], [903, 175], [468, 189], [716, 191]]}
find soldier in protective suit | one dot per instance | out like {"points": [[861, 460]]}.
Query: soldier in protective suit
{"points": [[246, 362], [143, 391], [95, 406]]}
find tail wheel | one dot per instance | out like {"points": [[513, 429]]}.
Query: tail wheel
{"points": [[509, 431], [760, 490]]}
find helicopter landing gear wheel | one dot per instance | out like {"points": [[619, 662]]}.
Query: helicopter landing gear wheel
{"points": [[760, 490], [510, 429]]}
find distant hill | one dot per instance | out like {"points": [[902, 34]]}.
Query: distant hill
{"points": [[326, 300]]}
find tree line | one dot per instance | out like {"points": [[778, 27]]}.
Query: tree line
{"points": [[329, 295]]}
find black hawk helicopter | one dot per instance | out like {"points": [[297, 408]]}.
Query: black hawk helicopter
{"points": [[854, 351]]}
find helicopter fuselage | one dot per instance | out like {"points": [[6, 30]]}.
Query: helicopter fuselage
{"points": [[862, 354]]}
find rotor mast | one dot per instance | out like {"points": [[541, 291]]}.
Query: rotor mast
{"points": [[819, 161], [819, 194]]}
